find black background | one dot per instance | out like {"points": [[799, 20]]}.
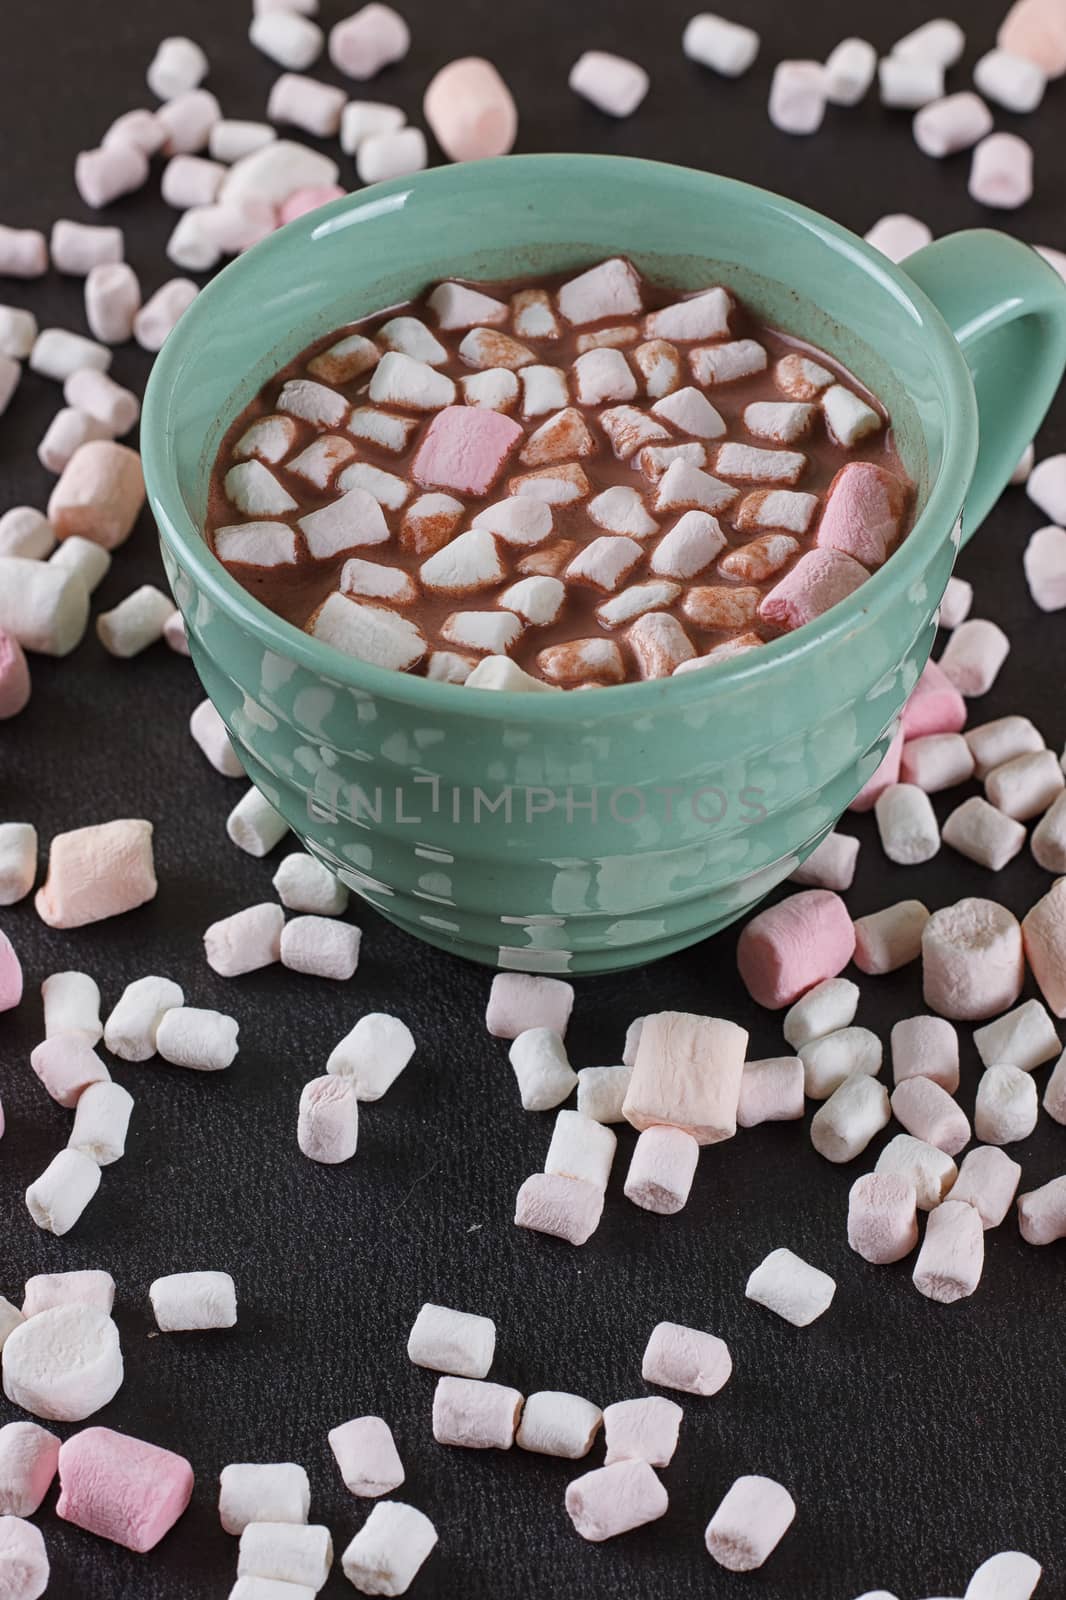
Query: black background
{"points": [[916, 1439]]}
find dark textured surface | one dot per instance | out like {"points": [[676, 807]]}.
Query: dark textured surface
{"points": [[917, 1439]]}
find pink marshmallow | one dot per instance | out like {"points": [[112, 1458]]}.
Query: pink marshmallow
{"points": [[66, 1064], [791, 946], [464, 449], [122, 1489], [863, 512], [373, 38], [565, 1208], [86, 1288], [988, 1179], [770, 1091], [882, 1217], [1036, 30], [642, 1430], [474, 1414], [97, 872], [889, 939], [934, 705], [10, 974], [301, 201], [750, 1523], [615, 1499], [936, 761], [1042, 1213], [23, 1560], [972, 961], [973, 655], [1044, 935], [687, 1359], [662, 1169], [14, 677], [926, 1047], [882, 778], [819, 580], [952, 1256], [928, 1112], [29, 1456], [470, 110], [327, 1127], [520, 1000]]}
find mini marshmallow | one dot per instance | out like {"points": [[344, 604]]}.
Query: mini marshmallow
{"points": [[475, 1415], [24, 1569], [1044, 561], [519, 1000], [956, 604], [642, 1430], [928, 1112], [327, 1127], [67, 1064], [615, 1499], [557, 1424], [304, 884], [18, 863], [1021, 473], [843, 1126], [230, 139], [117, 409], [293, 41], [140, 128], [1046, 487], [174, 631], [496, 389], [64, 1363], [305, 103], [91, 1288], [23, 252], [882, 1217], [819, 580], [390, 1548], [972, 963], [849, 71], [988, 1180], [25, 532], [57, 353], [661, 1170], [565, 1208], [601, 1092], [160, 314], [611, 83], [385, 487], [1006, 1107], [366, 1454], [1042, 1213], [112, 302], [749, 1524], [105, 174], [798, 96], [1033, 29], [254, 826], [77, 247], [1001, 174], [320, 947], [660, 366], [354, 519], [938, 761], [289, 1552], [1044, 936], [1025, 786], [186, 1301], [381, 156], [934, 706], [177, 66], [727, 47], [67, 432], [827, 1008], [135, 623], [926, 1047], [1025, 1038], [908, 83], [10, 980], [830, 1059], [131, 1029], [10, 1319], [791, 1287], [373, 38], [683, 1358], [457, 1342], [275, 1491], [202, 1040], [889, 939], [770, 1091], [981, 832], [89, 561], [71, 1005], [1007, 1576], [29, 1457], [931, 1171], [246, 941], [271, 174], [471, 112], [368, 632], [952, 1256], [58, 1197], [373, 1054], [955, 123], [101, 1121], [791, 946], [906, 824], [99, 495], [1048, 843], [831, 865], [542, 1068], [212, 736]]}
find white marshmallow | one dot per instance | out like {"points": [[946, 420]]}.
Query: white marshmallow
{"points": [[18, 335], [601, 1091], [131, 1029], [621, 509], [320, 947], [135, 623], [831, 865], [101, 1121], [401, 380], [370, 633], [558, 1424], [27, 533], [955, 123], [71, 1001], [361, 119], [373, 38], [610, 289], [366, 1455], [727, 47], [372, 1054], [177, 66], [246, 941], [66, 433], [293, 41], [58, 1197], [381, 156], [750, 1523], [1024, 1037], [289, 1552], [1006, 1107], [57, 353], [849, 71], [1007, 1576], [931, 1171], [1010, 81], [192, 1301], [91, 562], [63, 1364], [394, 1542], [307, 104], [18, 864], [304, 884], [949, 1263], [77, 247], [725, 363], [908, 83], [689, 411], [844, 1124], [274, 172], [988, 1180], [684, 487], [103, 175], [798, 96], [941, 40], [381, 428], [1001, 174], [159, 315], [458, 1342], [229, 139], [353, 520], [898, 236], [832, 1057], [612, 83], [212, 736], [661, 1170], [827, 1008], [581, 1148], [791, 1287], [44, 607], [906, 824], [262, 1492], [116, 408], [202, 1040]]}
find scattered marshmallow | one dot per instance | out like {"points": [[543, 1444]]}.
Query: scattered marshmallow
{"points": [[112, 302], [187, 1301], [320, 947], [327, 1125], [834, 1057], [475, 1415], [42, 608], [105, 174], [1006, 1107], [972, 963], [661, 1170], [642, 1430], [615, 1499], [542, 1068], [373, 38], [1024, 1037], [254, 825], [931, 1171], [612, 83], [197, 1038], [246, 941], [687, 1359], [849, 71], [926, 1047], [135, 623], [601, 1092], [288, 1552], [29, 1457], [122, 1489], [470, 110], [97, 872], [1044, 935], [1042, 1213], [727, 47], [274, 1491], [1001, 174], [64, 1363], [101, 1122], [791, 1287], [565, 1208], [71, 1003], [988, 1180], [18, 862], [928, 1112], [457, 1342], [791, 946], [367, 1457], [981, 832], [131, 1029], [750, 1523], [291, 40], [798, 96], [889, 939], [882, 1217], [909, 82], [952, 1255]]}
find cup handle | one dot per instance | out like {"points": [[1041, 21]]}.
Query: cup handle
{"points": [[1007, 309]]}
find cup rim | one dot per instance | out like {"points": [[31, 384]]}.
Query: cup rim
{"points": [[179, 532]]}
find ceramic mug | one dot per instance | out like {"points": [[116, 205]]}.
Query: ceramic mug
{"points": [[591, 832]]}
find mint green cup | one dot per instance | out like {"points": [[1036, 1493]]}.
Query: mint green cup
{"points": [[587, 832]]}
